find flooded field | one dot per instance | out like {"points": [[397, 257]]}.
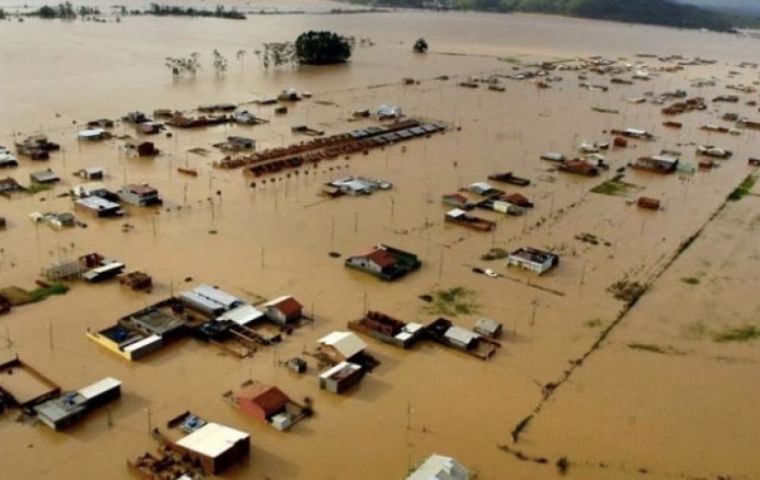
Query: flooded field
{"points": [[660, 384]]}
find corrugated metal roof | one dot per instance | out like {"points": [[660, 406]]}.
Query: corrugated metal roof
{"points": [[242, 315], [438, 467], [347, 344]]}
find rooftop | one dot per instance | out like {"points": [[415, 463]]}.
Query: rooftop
{"points": [[212, 439]]}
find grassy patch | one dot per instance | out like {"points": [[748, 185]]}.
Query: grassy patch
{"points": [[42, 293], [690, 280], [595, 323], [745, 333], [652, 348], [511, 60], [495, 254], [743, 189], [627, 291], [35, 188], [615, 187], [453, 301]]}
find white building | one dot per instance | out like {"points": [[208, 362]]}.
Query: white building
{"points": [[438, 467]]}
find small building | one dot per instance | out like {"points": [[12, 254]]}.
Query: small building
{"points": [[269, 404], [341, 377], [44, 177], [7, 159], [106, 270], [579, 167], [215, 447], [23, 386], [385, 262], [90, 173], [488, 328], [656, 163], [125, 342], [284, 310], [140, 195], [341, 346], [209, 300], [65, 410], [438, 467], [153, 321], [98, 207], [484, 189], [137, 281], [538, 261], [93, 134], [144, 149], [648, 203], [457, 200]]}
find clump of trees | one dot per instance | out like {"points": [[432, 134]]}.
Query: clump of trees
{"points": [[2, 14], [322, 48], [64, 11], [184, 66], [420, 46], [170, 10], [277, 54], [219, 62]]}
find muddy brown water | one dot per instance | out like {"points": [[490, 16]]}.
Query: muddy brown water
{"points": [[673, 415]]}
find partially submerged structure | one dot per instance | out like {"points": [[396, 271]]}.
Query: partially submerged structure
{"points": [[439, 467], [269, 404], [533, 259], [341, 377], [21, 386], [460, 217], [385, 262], [70, 407], [214, 446], [388, 329], [657, 164], [140, 195], [341, 346], [446, 333]]}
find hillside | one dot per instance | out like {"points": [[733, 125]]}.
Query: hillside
{"points": [[653, 12]]}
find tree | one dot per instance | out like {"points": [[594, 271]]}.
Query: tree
{"points": [[183, 66], [322, 48], [220, 62], [420, 46], [277, 54]]}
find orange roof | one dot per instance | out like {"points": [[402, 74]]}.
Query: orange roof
{"points": [[269, 398], [289, 306]]}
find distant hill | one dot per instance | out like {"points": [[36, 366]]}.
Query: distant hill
{"points": [[653, 12], [743, 7]]}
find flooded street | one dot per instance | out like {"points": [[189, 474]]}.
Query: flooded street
{"points": [[684, 406]]}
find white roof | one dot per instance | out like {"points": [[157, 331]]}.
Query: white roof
{"points": [[142, 343], [99, 387], [212, 439], [97, 203], [664, 158], [635, 131], [438, 467], [242, 315], [413, 327], [277, 301], [347, 344], [91, 133], [480, 186], [461, 334], [338, 368], [457, 212]]}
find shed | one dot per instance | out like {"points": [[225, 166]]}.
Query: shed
{"points": [[341, 377], [44, 177], [262, 401], [284, 310]]}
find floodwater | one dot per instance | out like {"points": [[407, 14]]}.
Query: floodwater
{"points": [[688, 414]]}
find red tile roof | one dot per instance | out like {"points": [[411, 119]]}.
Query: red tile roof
{"points": [[382, 258], [289, 307], [270, 399]]}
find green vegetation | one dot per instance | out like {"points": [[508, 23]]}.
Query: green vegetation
{"points": [[652, 348], [628, 291], [420, 46], [655, 12], [453, 301], [64, 11], [170, 10], [511, 60], [35, 188], [745, 333], [322, 48], [495, 254], [743, 189], [690, 280], [595, 323], [615, 187], [42, 293]]}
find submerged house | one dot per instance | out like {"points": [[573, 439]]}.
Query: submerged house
{"points": [[657, 163], [538, 261], [269, 404], [388, 329], [341, 346], [98, 207], [140, 195], [439, 467], [341, 377], [62, 411], [284, 310], [44, 177], [385, 262], [215, 447]]}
